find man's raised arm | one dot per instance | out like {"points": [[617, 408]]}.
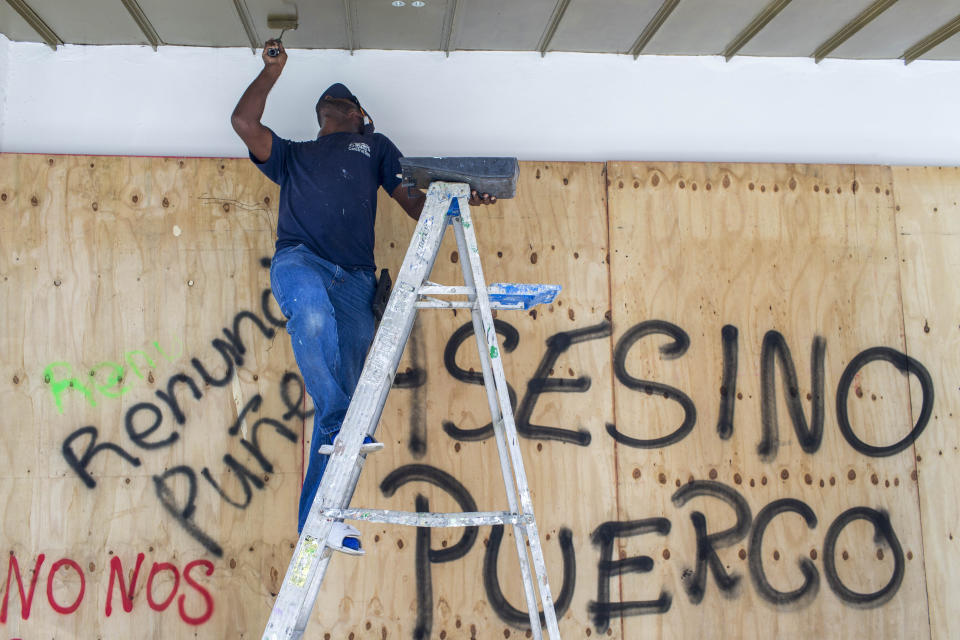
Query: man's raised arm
{"points": [[246, 115]]}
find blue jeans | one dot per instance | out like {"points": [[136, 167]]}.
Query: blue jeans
{"points": [[331, 327]]}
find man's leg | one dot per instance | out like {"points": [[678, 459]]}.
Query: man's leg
{"points": [[300, 282], [352, 297]]}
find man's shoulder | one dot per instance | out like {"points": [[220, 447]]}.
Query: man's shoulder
{"points": [[383, 143]]}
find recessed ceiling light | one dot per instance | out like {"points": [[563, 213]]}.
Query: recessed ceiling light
{"points": [[398, 3], [418, 3]]}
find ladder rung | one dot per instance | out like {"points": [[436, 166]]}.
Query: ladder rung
{"points": [[365, 448], [503, 295], [418, 519], [433, 303]]}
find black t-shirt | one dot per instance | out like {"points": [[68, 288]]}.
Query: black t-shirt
{"points": [[328, 193]]}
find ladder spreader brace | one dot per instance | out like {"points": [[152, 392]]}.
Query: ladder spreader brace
{"points": [[447, 204]]}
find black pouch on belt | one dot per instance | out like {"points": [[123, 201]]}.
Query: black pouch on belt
{"points": [[382, 295]]}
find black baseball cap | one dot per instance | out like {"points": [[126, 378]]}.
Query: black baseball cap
{"points": [[341, 92]]}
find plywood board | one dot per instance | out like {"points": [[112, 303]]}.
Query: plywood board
{"points": [[927, 225], [118, 273], [808, 252]]}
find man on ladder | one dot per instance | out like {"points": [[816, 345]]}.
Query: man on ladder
{"points": [[323, 271]]}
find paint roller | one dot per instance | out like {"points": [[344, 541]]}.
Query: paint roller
{"points": [[284, 22]]}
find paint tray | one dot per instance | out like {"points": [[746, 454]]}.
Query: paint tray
{"points": [[496, 176]]}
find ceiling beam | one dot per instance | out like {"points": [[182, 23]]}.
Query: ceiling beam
{"points": [[133, 8], [348, 9], [653, 26], [862, 20], [756, 25], [36, 23], [248, 26], [555, 18], [448, 23], [945, 32]]}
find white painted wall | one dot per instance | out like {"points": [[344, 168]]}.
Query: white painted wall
{"points": [[177, 101], [4, 80]]}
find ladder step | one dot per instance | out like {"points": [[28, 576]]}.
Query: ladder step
{"points": [[503, 295], [529, 295], [422, 519], [367, 447]]}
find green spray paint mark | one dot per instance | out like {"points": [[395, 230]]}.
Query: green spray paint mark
{"points": [[115, 378], [493, 352], [59, 386], [156, 344], [128, 356], [60, 377]]}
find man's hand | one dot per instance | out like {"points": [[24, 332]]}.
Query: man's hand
{"points": [[477, 199], [274, 63]]}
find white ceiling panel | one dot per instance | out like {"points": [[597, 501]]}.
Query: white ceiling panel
{"points": [[380, 25], [208, 23], [703, 27], [802, 26], [90, 21], [949, 49], [501, 25], [603, 25], [898, 28], [15, 27], [695, 27], [322, 23]]}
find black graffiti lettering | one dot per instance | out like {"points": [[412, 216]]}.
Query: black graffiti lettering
{"points": [[802, 596], [170, 396], [417, 443], [491, 582], [541, 383], [253, 446], [603, 537], [707, 545], [424, 622], [79, 465], [511, 337], [424, 553], [904, 364], [184, 514], [253, 405], [234, 336], [294, 406], [139, 437], [883, 532], [412, 378], [669, 351], [229, 354], [431, 475], [245, 476], [773, 350], [729, 335], [265, 296]]}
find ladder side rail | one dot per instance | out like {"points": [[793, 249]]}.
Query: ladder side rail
{"points": [[526, 503], [300, 586], [380, 367], [519, 532]]}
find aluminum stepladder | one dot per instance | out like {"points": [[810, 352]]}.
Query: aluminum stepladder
{"points": [[446, 204]]}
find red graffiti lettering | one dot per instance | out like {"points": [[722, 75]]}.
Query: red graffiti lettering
{"points": [[206, 564], [53, 572]]}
